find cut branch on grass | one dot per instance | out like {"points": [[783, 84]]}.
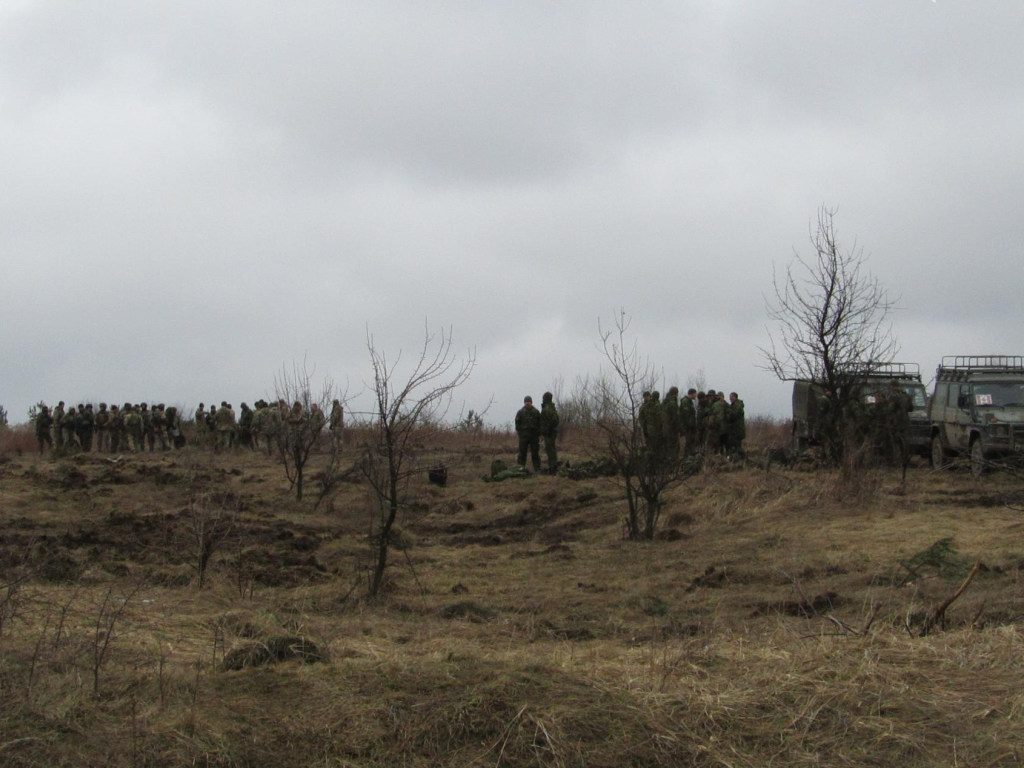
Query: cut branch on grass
{"points": [[938, 617]]}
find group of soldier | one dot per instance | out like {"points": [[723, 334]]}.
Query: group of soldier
{"points": [[531, 425], [698, 423], [132, 427], [137, 427]]}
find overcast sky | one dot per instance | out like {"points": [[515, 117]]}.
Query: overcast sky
{"points": [[196, 194]]}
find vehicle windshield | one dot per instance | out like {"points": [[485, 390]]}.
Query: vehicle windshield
{"points": [[875, 394], [918, 396], [998, 394]]}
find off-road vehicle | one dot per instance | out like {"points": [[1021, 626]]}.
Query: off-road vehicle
{"points": [[977, 410], [871, 383]]}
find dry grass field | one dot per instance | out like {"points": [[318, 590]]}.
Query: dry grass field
{"points": [[789, 617]]}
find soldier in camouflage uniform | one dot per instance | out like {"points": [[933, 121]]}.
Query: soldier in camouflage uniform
{"points": [[716, 422], [159, 420], [549, 430], [642, 413], [58, 424], [118, 438], [337, 423], [266, 423], [653, 427], [688, 421], [224, 426], [133, 427], [317, 421], [245, 427], [44, 421], [295, 424], [173, 420], [703, 413], [672, 426], [528, 430], [148, 432], [199, 435], [101, 424], [68, 426], [736, 424], [84, 422]]}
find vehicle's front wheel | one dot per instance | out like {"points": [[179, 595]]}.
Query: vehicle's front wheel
{"points": [[938, 454], [977, 458]]}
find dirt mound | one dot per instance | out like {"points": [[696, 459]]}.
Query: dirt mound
{"points": [[271, 651]]}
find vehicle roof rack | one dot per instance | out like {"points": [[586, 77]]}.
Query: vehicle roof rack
{"points": [[984, 363], [887, 370]]}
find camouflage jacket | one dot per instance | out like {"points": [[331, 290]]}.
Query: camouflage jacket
{"points": [[670, 414], [687, 415], [528, 422], [548, 420], [43, 422], [735, 420]]}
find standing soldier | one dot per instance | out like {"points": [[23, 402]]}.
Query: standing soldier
{"points": [[654, 430], [703, 413], [159, 420], [688, 421], [736, 424], [173, 420], [337, 422], [102, 427], [549, 430], [528, 430], [199, 435], [84, 423], [223, 425], [58, 424], [265, 425], [670, 411], [245, 427], [117, 434], [68, 425], [716, 421], [148, 431], [43, 423], [317, 421], [643, 414], [295, 424], [133, 426]]}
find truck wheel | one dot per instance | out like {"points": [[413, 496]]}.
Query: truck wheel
{"points": [[938, 454], [977, 458]]}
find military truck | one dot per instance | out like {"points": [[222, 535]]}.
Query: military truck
{"points": [[870, 383], [977, 410]]}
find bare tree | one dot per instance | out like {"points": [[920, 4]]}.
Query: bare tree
{"points": [[831, 317], [402, 404], [644, 468], [207, 525], [299, 430]]}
